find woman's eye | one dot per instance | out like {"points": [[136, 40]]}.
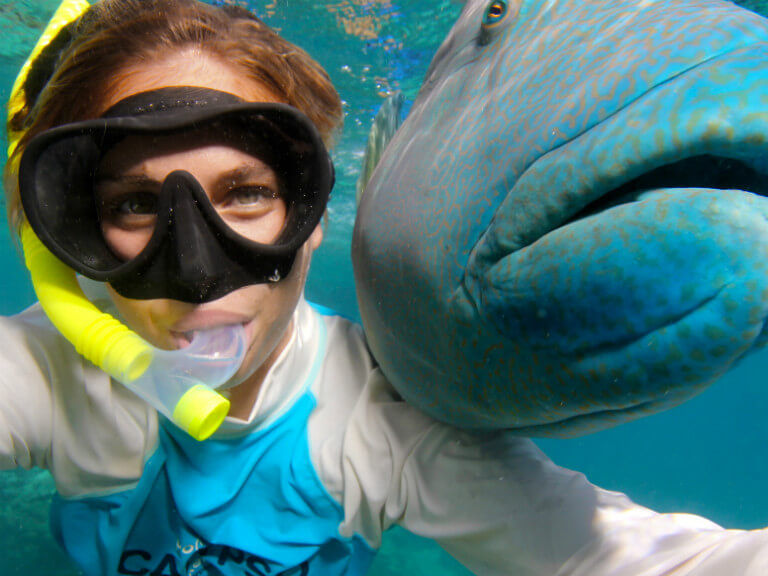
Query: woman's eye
{"points": [[251, 195], [140, 204], [131, 210]]}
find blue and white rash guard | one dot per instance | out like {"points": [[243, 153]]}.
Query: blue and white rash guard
{"points": [[329, 459]]}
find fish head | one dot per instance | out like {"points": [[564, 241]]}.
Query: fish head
{"points": [[569, 229]]}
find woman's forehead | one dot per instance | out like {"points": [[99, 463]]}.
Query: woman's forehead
{"points": [[190, 67]]}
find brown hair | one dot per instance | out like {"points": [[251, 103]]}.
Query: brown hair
{"points": [[116, 33]]}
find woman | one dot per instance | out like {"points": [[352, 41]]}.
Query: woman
{"points": [[166, 150]]}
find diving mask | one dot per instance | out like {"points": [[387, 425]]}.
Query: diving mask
{"points": [[192, 252]]}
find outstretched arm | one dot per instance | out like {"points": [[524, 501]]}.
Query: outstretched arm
{"points": [[500, 506], [26, 410]]}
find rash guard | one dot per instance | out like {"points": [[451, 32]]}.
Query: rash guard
{"points": [[329, 458]]}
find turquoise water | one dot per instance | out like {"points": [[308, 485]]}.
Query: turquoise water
{"points": [[706, 457]]}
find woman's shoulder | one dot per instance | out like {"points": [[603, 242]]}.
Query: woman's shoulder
{"points": [[30, 335], [347, 361], [68, 413]]}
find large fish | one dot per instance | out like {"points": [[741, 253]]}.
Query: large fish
{"points": [[570, 228]]}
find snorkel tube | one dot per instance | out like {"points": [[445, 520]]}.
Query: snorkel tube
{"points": [[170, 381], [179, 384]]}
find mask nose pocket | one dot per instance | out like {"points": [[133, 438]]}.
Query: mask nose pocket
{"points": [[195, 258]]}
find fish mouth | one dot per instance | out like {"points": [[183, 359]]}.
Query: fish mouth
{"points": [[706, 171]]}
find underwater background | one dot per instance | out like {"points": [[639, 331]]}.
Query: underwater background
{"points": [[706, 457]]}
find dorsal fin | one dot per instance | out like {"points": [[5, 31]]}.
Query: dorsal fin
{"points": [[386, 123]]}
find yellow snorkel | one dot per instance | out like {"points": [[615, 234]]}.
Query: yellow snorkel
{"points": [[96, 335], [168, 380], [171, 381]]}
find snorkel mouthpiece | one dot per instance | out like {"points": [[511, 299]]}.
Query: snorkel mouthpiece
{"points": [[179, 383]]}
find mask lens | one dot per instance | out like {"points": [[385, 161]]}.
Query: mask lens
{"points": [[63, 175], [226, 179]]}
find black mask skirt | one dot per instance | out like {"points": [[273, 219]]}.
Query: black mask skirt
{"points": [[192, 255]]}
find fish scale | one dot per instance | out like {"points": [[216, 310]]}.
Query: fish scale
{"points": [[546, 244]]}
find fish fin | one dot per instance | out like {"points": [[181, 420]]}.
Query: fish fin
{"points": [[387, 121]]}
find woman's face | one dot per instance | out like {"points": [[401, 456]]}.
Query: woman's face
{"points": [[244, 189]]}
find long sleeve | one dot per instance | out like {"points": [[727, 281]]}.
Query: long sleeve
{"points": [[26, 370], [500, 506]]}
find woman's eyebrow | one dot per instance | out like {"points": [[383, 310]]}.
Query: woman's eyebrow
{"points": [[241, 172], [245, 171], [135, 179]]}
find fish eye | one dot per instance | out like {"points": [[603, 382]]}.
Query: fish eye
{"points": [[495, 13]]}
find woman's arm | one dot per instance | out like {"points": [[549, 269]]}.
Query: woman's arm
{"points": [[26, 368], [500, 506]]}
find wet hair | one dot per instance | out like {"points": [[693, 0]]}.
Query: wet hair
{"points": [[71, 78]]}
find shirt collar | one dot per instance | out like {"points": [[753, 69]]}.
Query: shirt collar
{"points": [[288, 377]]}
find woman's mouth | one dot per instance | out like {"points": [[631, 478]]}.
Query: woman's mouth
{"points": [[181, 339], [183, 332]]}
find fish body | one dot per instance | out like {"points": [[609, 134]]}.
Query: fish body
{"points": [[570, 228]]}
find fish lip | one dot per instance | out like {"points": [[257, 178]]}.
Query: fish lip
{"points": [[712, 171], [612, 191]]}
